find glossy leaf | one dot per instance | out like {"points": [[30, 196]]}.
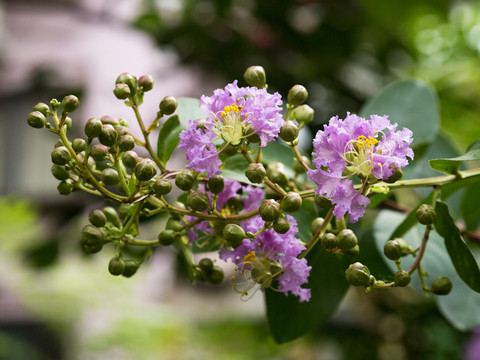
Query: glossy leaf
{"points": [[451, 166], [235, 167], [168, 138], [188, 109]]}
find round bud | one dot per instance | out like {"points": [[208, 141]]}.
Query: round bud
{"points": [[99, 152], [252, 137], [93, 127], [255, 76], [123, 210], [198, 201], [167, 237], [291, 202], [358, 274], [66, 187], [402, 278], [281, 225], [68, 122], [322, 202], [55, 104], [58, 144], [215, 275], [60, 172], [130, 159], [121, 130], [354, 251], [397, 174], [108, 136], [109, 120], [121, 91], [276, 173], [90, 162], [123, 122], [92, 235], [184, 180], [162, 186], [426, 214], [269, 210], [178, 205], [112, 215], [146, 82], [145, 170], [70, 103], [206, 264], [288, 131], [393, 249], [316, 224], [441, 286], [93, 249], [126, 143], [128, 79], [36, 119], [255, 173], [116, 266], [110, 176], [174, 224], [297, 95], [79, 145], [233, 234], [130, 268], [228, 149], [328, 241], [60, 155], [216, 184], [168, 105], [303, 114], [298, 167], [42, 107], [97, 218], [346, 239], [235, 203]]}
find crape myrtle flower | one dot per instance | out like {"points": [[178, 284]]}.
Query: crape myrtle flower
{"points": [[233, 114], [369, 149], [270, 256]]}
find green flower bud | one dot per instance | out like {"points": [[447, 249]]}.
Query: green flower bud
{"points": [[255, 76], [233, 234], [277, 174], [97, 218], [255, 173], [99, 152], [215, 275], [426, 214], [281, 225], [93, 127], [42, 107], [162, 186], [303, 114], [397, 174], [289, 131], [130, 268], [108, 136], [228, 149], [79, 145], [174, 224], [123, 210], [109, 120], [130, 159], [358, 274], [68, 122], [58, 144], [269, 210], [126, 143], [112, 216], [168, 105], [92, 235], [60, 172], [146, 82], [145, 170], [123, 122], [235, 204], [252, 137], [121, 91], [406, 249], [36, 119], [206, 264], [70, 103], [291, 202], [184, 180], [128, 79], [178, 205], [90, 163], [402, 278], [167, 237], [393, 249], [346, 239], [61, 155], [328, 241], [116, 266], [110, 176], [55, 104], [93, 249], [441, 286], [298, 167], [354, 251], [198, 201], [297, 95], [316, 224], [322, 202], [216, 184]]}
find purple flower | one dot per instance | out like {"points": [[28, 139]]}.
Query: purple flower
{"points": [[233, 114], [356, 146]]}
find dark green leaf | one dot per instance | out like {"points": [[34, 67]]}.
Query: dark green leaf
{"points": [[168, 138], [451, 166], [305, 216], [188, 109], [469, 208]]}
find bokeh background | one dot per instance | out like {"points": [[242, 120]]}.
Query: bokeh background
{"points": [[56, 302]]}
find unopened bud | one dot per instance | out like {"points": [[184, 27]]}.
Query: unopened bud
{"points": [[346, 239], [108, 136], [358, 274], [126, 143], [402, 278], [269, 210], [129, 79], [162, 186], [99, 152], [130, 159], [97, 218], [70, 103], [328, 241], [297, 95], [317, 224], [92, 235], [60, 172], [397, 174], [255, 173], [441, 286], [79, 145], [178, 205], [233, 234], [426, 214], [130, 268], [121, 91], [36, 119], [66, 187], [291, 202], [228, 149], [354, 251], [288, 131], [322, 202], [109, 120], [55, 104], [303, 114], [198, 201], [167, 237], [93, 127], [60, 155], [255, 76], [206, 264], [281, 225], [216, 184], [145, 170], [215, 275], [184, 180], [235, 203], [168, 105], [42, 107], [110, 176], [146, 82], [277, 174], [393, 249], [298, 167], [116, 266], [174, 224], [112, 215]]}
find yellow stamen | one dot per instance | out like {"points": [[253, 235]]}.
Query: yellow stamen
{"points": [[250, 258]]}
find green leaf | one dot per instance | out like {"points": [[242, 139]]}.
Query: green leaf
{"points": [[474, 146], [411, 104], [168, 138], [235, 167], [460, 254], [288, 318], [469, 208], [189, 109], [451, 166], [276, 151]]}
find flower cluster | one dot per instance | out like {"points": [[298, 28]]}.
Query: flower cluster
{"points": [[370, 149], [233, 114]]}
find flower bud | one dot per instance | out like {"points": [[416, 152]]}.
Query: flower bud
{"points": [[233, 234], [252, 137], [90, 162], [121, 91], [316, 224], [393, 249], [426, 214], [93, 249], [291, 202], [145, 170], [42, 107], [216, 184], [168, 105], [303, 114], [67, 122], [58, 144], [235, 203], [70, 103], [123, 210], [99, 152], [110, 176], [198, 201], [276, 173], [36, 119], [441, 286], [255, 173], [397, 174], [354, 251], [93, 127], [60, 172], [174, 224], [358, 274], [184, 180], [402, 278], [108, 136], [130, 159], [162, 186], [66, 187], [228, 149], [255, 76], [55, 104], [298, 167], [288, 131], [328, 241], [128, 79], [297, 95], [116, 266], [281, 225], [167, 237], [109, 120], [206, 264], [92, 235], [79, 145], [322, 202], [126, 143], [123, 122], [269, 210], [121, 130], [112, 216], [215, 275], [60, 155], [130, 268], [178, 205], [346, 239], [97, 218]]}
